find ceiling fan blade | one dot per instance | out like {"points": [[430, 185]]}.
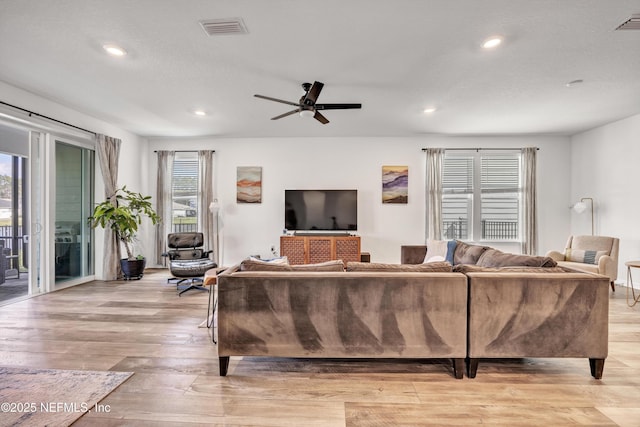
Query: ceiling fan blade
{"points": [[319, 117], [268, 98], [314, 92], [288, 113], [337, 106]]}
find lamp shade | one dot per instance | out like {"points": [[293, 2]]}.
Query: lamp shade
{"points": [[214, 207], [580, 207]]}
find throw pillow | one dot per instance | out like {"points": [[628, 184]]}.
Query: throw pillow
{"points": [[469, 268], [277, 260], [585, 257], [334, 265], [441, 267], [496, 258], [255, 264], [440, 250], [467, 254]]}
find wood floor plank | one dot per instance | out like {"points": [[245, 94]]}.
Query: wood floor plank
{"points": [[368, 414], [144, 327]]}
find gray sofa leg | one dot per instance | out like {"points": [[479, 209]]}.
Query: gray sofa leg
{"points": [[458, 367], [472, 367], [224, 365], [597, 366]]}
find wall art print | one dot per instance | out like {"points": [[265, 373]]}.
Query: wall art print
{"points": [[395, 184], [249, 184]]}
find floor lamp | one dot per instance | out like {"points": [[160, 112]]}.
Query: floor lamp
{"points": [[581, 206], [216, 210]]}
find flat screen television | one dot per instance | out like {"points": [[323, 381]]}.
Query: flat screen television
{"points": [[321, 210]]}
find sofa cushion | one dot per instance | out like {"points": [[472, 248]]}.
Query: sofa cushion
{"points": [[584, 256], [441, 266], [496, 258], [333, 265], [469, 268], [467, 254], [255, 264]]}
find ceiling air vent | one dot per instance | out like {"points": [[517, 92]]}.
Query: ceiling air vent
{"points": [[632, 23], [221, 27]]}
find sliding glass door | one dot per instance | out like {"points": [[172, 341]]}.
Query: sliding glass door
{"points": [[74, 183], [46, 195]]}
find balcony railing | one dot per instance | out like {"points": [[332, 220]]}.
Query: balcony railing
{"points": [[499, 230], [491, 230], [184, 227], [456, 229]]}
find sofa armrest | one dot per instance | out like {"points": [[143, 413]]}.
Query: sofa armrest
{"points": [[607, 267], [555, 255], [412, 254]]}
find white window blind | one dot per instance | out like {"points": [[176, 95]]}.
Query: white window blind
{"points": [[457, 197], [481, 195], [500, 188], [184, 191]]}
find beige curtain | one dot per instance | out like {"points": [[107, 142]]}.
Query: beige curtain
{"points": [[435, 160], [163, 202], [108, 153], [206, 219], [529, 202]]}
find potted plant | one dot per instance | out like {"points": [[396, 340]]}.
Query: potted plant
{"points": [[124, 219]]}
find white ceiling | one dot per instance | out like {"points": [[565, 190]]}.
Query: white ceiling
{"points": [[396, 57]]}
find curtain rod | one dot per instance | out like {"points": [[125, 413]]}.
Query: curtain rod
{"points": [[32, 113], [184, 151], [481, 149]]}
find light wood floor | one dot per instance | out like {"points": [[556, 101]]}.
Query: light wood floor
{"points": [[142, 326]]}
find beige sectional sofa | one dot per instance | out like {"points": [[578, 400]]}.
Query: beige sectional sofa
{"points": [[489, 305], [343, 314], [527, 311]]}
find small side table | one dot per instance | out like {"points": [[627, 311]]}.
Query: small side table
{"points": [[211, 279], [636, 299]]}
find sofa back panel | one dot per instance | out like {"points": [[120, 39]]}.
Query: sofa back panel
{"points": [[412, 254], [592, 243], [538, 315], [382, 315]]}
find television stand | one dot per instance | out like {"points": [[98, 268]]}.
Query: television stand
{"points": [[315, 248], [321, 233]]}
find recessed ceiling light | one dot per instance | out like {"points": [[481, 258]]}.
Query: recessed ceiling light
{"points": [[574, 82], [491, 42], [429, 110], [200, 113], [114, 50]]}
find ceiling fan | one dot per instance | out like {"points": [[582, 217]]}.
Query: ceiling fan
{"points": [[307, 106]]}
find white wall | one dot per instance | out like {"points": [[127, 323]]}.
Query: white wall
{"points": [[335, 163], [604, 166]]}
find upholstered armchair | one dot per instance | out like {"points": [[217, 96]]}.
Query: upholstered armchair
{"points": [[594, 254]]}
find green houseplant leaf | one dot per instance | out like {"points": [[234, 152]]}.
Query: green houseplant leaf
{"points": [[125, 217]]}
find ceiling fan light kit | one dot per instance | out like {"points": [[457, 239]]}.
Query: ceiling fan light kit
{"points": [[306, 106]]}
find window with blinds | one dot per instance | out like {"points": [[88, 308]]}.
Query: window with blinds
{"points": [[184, 191], [481, 195], [457, 196]]}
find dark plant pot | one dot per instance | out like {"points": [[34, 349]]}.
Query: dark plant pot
{"points": [[132, 269]]}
